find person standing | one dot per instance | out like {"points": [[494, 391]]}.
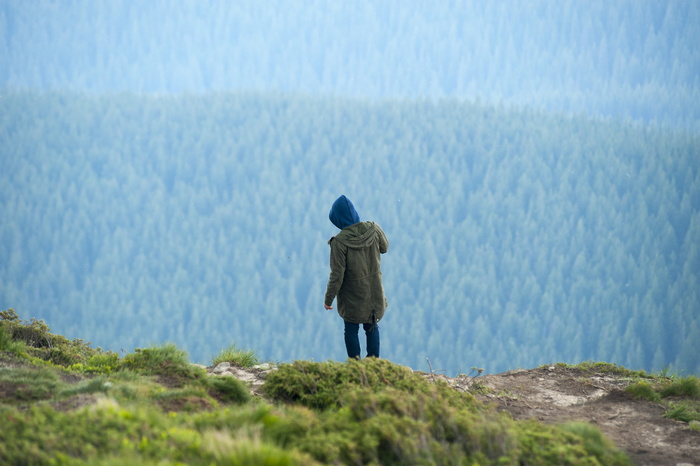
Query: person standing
{"points": [[356, 276]]}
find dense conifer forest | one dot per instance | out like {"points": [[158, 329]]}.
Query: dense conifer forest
{"points": [[516, 237], [166, 171]]}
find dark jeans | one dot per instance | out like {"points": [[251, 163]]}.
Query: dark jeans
{"points": [[352, 342]]}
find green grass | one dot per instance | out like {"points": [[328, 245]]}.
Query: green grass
{"points": [[607, 368], [236, 356], [679, 395], [154, 407], [26, 384], [643, 391], [683, 411], [683, 386]]}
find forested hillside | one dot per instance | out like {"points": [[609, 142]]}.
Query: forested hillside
{"points": [[517, 237], [634, 59]]}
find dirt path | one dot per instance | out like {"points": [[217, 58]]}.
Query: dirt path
{"points": [[557, 394]]}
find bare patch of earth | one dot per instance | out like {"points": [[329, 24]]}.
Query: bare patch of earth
{"points": [[558, 394]]}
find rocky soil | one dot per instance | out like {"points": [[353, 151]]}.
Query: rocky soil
{"points": [[558, 394]]}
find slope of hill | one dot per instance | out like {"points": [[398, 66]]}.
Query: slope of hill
{"points": [[64, 402]]}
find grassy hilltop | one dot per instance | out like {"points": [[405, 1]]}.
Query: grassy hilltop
{"points": [[63, 402]]}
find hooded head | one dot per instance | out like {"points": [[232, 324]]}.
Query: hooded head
{"points": [[343, 213]]}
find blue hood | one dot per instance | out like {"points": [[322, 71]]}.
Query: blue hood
{"points": [[343, 213]]}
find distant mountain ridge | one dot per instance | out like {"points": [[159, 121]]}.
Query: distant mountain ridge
{"points": [[634, 59]]}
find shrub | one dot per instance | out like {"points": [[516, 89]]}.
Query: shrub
{"points": [[398, 427], [166, 361], [40, 343], [227, 389], [7, 343], [321, 385], [596, 444], [190, 399], [571, 443]]}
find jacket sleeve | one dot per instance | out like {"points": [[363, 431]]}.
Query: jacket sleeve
{"points": [[383, 241], [335, 281]]}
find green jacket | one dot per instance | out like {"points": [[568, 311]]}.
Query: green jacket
{"points": [[356, 274]]}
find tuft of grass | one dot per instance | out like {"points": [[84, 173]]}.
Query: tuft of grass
{"points": [[643, 391], [684, 386], [27, 384], [667, 373], [683, 411], [236, 356]]}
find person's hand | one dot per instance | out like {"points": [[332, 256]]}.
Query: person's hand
{"points": [[328, 308]]}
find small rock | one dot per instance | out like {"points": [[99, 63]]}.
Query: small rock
{"points": [[551, 368], [221, 367]]}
